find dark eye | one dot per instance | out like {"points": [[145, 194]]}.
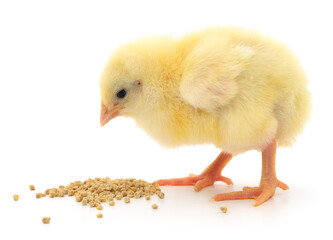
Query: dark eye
{"points": [[122, 93]]}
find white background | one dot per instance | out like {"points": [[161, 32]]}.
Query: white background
{"points": [[51, 56]]}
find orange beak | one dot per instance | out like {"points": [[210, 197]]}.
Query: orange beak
{"points": [[107, 114]]}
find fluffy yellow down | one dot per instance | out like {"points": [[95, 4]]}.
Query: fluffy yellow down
{"points": [[231, 87]]}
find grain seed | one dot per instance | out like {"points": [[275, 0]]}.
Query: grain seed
{"points": [[154, 206], [38, 195], [46, 220], [224, 209]]}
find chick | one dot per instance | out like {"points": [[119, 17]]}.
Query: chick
{"points": [[231, 87]]}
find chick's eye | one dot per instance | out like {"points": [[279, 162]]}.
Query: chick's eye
{"points": [[122, 93]]}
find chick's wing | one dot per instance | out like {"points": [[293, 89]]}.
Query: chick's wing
{"points": [[210, 72]]}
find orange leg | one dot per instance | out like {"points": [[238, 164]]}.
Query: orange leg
{"points": [[211, 174], [268, 182]]}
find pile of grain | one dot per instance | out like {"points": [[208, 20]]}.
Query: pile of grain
{"points": [[93, 192]]}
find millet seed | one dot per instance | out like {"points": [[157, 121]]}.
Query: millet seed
{"points": [[84, 201], [224, 209], [46, 220], [39, 195], [160, 195], [154, 206]]}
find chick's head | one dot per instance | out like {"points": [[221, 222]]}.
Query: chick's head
{"points": [[132, 82]]}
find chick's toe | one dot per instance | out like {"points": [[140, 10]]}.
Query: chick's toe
{"points": [[207, 178]]}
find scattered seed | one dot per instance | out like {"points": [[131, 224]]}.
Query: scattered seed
{"points": [[46, 220], [39, 195], [99, 215], [111, 203], [32, 187], [224, 209], [147, 197], [127, 200], [99, 207], [154, 206], [16, 197], [160, 195]]}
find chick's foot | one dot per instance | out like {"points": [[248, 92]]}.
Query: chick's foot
{"points": [[261, 194], [268, 183], [210, 175], [199, 181]]}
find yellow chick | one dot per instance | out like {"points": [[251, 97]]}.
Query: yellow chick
{"points": [[231, 87]]}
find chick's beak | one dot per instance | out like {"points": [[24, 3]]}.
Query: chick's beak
{"points": [[108, 113]]}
